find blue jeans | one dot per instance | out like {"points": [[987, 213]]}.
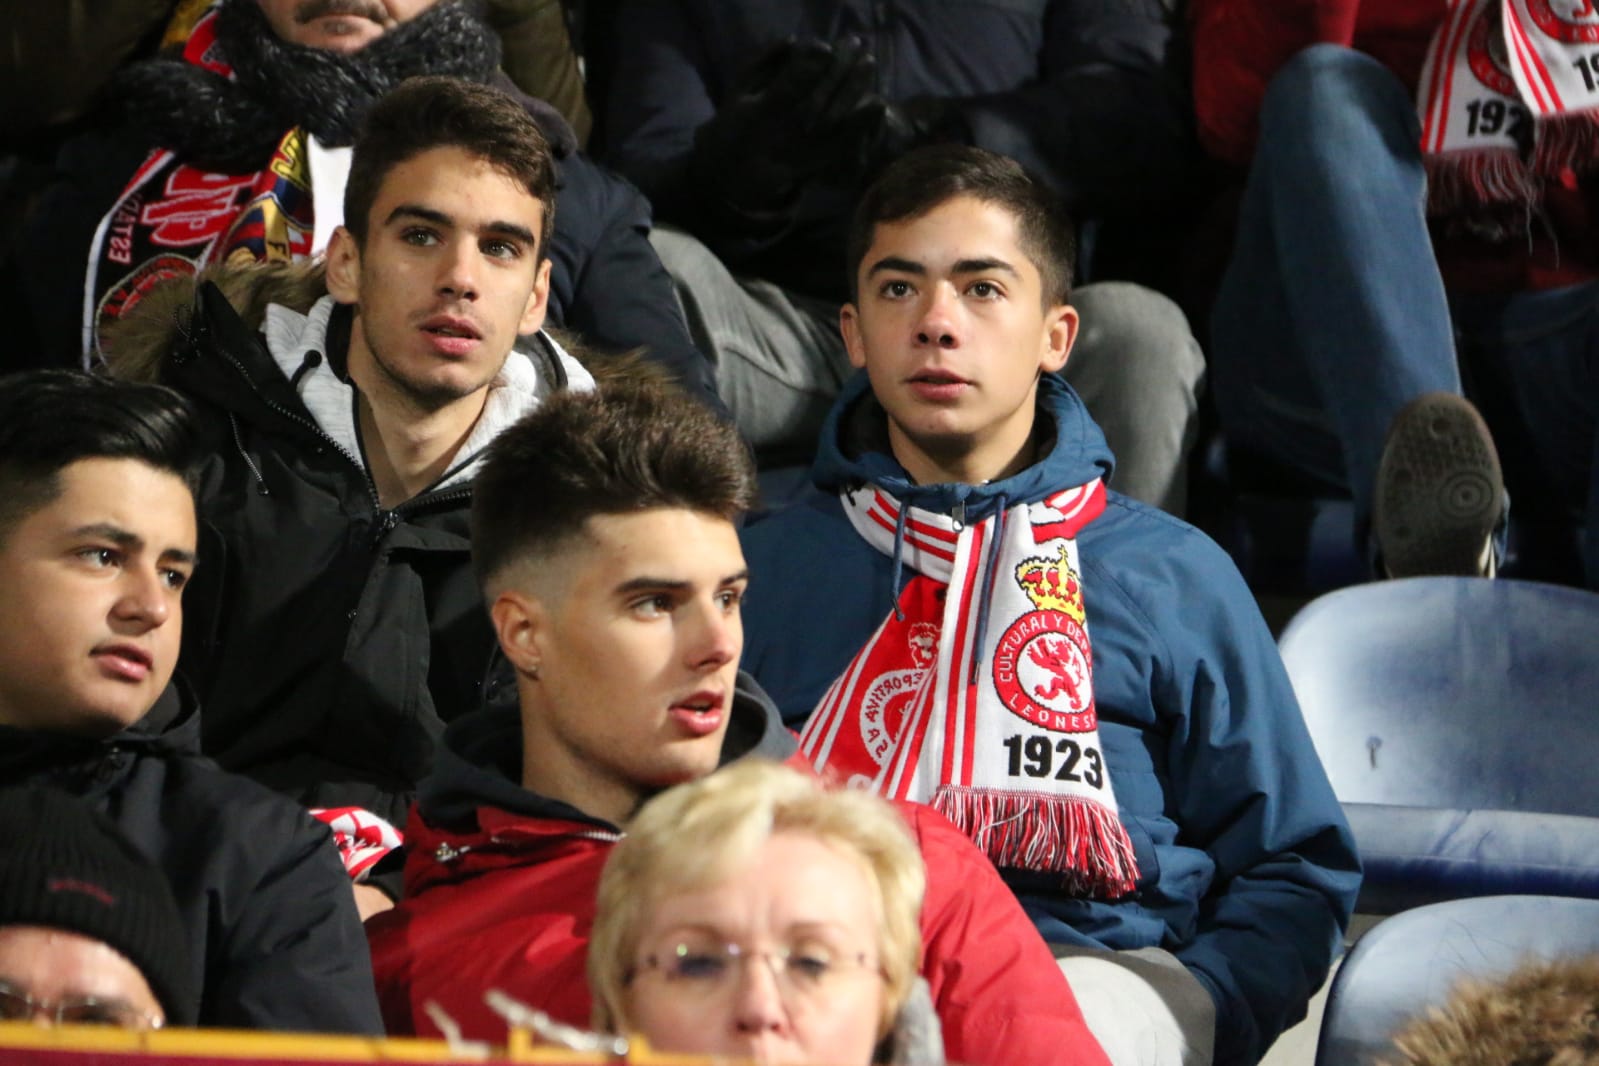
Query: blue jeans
{"points": [[1332, 314]]}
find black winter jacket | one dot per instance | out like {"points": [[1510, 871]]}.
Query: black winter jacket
{"points": [[273, 931], [1092, 95], [330, 637]]}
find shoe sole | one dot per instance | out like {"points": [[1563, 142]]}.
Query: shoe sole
{"points": [[1439, 489]]}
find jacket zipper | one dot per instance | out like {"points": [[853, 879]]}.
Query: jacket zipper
{"points": [[447, 853], [390, 516], [372, 492]]}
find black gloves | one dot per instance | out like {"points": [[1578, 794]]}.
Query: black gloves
{"points": [[776, 129]]}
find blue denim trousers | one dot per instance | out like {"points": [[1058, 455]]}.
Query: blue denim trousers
{"points": [[1332, 314]]}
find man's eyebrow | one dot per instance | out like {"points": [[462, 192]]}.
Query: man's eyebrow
{"points": [[427, 214], [894, 262], [982, 266], [417, 211], [129, 541], [511, 229], [664, 584], [122, 538]]}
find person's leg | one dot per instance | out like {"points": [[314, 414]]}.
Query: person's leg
{"points": [[1332, 314], [1531, 362], [779, 358], [1143, 1006], [1138, 368]]}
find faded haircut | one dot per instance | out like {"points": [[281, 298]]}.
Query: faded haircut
{"points": [[628, 446]]}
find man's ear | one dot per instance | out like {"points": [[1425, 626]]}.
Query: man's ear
{"points": [[520, 623], [1060, 333], [849, 324], [344, 267], [538, 301]]}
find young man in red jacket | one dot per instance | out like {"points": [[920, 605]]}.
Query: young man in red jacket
{"points": [[603, 533]]}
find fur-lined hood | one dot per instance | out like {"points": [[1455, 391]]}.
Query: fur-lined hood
{"points": [[1545, 1013], [137, 344]]}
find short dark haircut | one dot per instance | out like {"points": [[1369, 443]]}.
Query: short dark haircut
{"points": [[921, 180], [421, 114], [627, 447], [50, 419]]}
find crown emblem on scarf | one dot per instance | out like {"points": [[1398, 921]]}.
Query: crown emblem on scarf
{"points": [[1052, 585]]}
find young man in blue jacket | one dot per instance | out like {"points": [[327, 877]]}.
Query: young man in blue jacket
{"points": [[967, 617]]}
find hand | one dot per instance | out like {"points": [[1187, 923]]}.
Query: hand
{"points": [[371, 900], [773, 132], [881, 131]]}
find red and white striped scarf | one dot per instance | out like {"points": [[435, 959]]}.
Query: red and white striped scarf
{"points": [[173, 219], [1503, 76], [976, 694]]}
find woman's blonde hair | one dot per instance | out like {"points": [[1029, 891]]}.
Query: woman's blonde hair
{"points": [[698, 834]]}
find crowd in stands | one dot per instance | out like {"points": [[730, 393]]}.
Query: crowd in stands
{"points": [[392, 612]]}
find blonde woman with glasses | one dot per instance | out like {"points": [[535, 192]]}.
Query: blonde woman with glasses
{"points": [[755, 913]]}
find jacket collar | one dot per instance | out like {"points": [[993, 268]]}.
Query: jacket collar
{"points": [[172, 726], [854, 451], [302, 346], [479, 764]]}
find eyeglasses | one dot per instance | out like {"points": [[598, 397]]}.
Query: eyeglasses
{"points": [[18, 1006], [709, 968]]}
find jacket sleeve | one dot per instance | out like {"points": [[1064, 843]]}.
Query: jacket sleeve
{"points": [[619, 295], [1108, 119], [294, 956], [997, 988], [662, 94], [1249, 790], [538, 56]]}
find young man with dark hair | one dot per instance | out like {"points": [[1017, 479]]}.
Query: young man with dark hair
{"points": [[97, 543], [603, 528], [339, 625], [966, 617]]}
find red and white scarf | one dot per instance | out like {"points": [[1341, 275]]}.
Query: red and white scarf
{"points": [[1509, 97], [976, 694], [173, 219]]}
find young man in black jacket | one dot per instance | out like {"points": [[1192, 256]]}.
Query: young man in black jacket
{"points": [[337, 626], [97, 542]]}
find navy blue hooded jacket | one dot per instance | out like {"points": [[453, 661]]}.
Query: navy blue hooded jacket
{"points": [[1247, 867]]}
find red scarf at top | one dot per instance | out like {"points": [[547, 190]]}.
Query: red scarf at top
{"points": [[1509, 98], [976, 694], [173, 219]]}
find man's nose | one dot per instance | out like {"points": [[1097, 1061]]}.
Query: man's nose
{"points": [[458, 271], [719, 639], [146, 599], [938, 324]]}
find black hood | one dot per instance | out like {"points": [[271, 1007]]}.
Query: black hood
{"points": [[479, 763], [92, 764]]}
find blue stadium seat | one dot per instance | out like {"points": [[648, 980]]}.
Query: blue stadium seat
{"points": [[1413, 960], [1456, 719]]}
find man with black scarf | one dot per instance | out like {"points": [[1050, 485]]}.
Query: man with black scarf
{"points": [[235, 152]]}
